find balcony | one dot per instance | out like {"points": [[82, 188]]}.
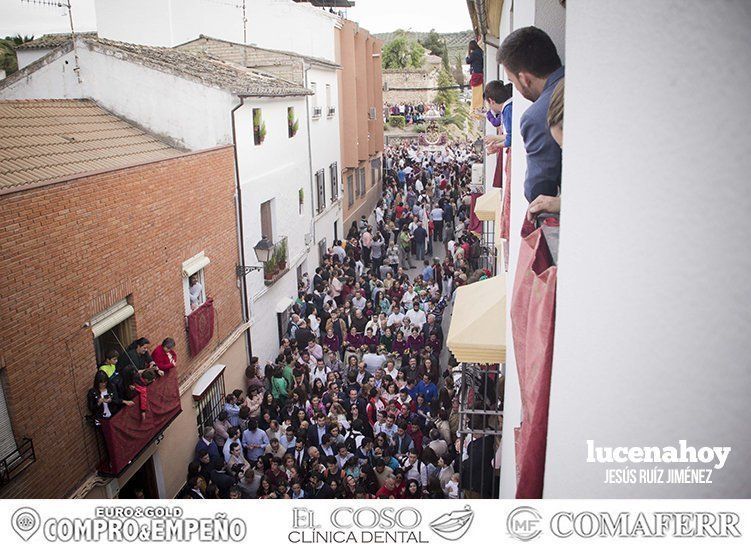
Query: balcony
{"points": [[17, 461], [126, 436], [278, 263]]}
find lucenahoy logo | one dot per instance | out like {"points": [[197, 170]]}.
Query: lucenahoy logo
{"points": [[454, 525]]}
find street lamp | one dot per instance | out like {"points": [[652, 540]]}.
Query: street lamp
{"points": [[263, 250]]}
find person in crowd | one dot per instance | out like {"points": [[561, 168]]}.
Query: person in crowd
{"points": [[530, 60], [164, 355], [109, 365]]}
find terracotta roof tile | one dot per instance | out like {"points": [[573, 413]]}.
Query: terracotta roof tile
{"points": [[44, 140]]}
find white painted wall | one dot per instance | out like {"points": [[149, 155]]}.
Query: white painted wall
{"points": [[524, 14], [138, 94], [276, 24], [653, 322], [27, 56], [325, 150], [56, 79], [276, 169]]}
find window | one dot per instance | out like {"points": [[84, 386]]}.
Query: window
{"points": [[292, 122], [334, 175], [194, 282], [330, 110], [314, 100], [113, 329], [282, 321], [375, 171], [321, 188], [7, 438], [208, 395], [267, 227], [350, 191], [259, 127], [322, 246], [361, 180]]}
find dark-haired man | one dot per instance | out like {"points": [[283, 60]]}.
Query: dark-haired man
{"points": [[531, 61]]}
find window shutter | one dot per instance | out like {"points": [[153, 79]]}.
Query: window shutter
{"points": [[7, 439]]}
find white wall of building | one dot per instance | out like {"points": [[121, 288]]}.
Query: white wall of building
{"points": [[525, 13], [278, 169], [27, 56], [653, 324], [325, 150], [276, 24], [55, 79], [138, 94]]}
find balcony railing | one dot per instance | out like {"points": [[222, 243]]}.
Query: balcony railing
{"points": [[126, 435], [278, 263], [17, 461]]}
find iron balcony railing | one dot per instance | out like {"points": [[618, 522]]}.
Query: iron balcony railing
{"points": [[17, 461]]}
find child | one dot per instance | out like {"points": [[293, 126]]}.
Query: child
{"points": [[452, 487]]}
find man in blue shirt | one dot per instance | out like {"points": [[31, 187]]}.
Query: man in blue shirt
{"points": [[531, 61], [427, 388]]}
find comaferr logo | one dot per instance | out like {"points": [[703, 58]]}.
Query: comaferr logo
{"points": [[454, 525], [524, 523]]}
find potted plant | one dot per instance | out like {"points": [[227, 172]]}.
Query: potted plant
{"points": [[282, 256], [292, 123], [259, 127], [269, 270]]}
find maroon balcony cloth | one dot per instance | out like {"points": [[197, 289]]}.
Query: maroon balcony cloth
{"points": [[201, 327], [126, 435], [475, 225], [498, 174], [532, 325]]}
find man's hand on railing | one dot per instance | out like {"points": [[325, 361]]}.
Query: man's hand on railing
{"points": [[543, 204]]}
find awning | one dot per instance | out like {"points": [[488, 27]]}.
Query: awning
{"points": [[488, 206], [194, 264], [478, 323], [111, 317], [283, 304]]}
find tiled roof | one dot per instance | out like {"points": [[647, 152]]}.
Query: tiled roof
{"points": [[202, 68], [50, 41], [46, 140]]}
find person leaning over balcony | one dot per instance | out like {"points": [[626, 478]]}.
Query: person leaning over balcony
{"points": [[164, 355], [103, 399], [544, 203], [531, 62], [498, 97], [475, 60], [137, 356]]}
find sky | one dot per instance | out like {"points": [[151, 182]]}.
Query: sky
{"points": [[25, 17]]}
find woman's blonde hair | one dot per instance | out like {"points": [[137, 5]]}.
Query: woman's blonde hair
{"points": [[555, 110]]}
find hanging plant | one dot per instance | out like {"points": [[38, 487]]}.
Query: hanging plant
{"points": [[259, 127], [292, 123]]}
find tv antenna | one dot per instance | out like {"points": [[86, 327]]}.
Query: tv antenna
{"points": [[238, 4], [65, 4]]}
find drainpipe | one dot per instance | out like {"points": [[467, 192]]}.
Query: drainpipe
{"points": [[240, 227], [313, 189]]}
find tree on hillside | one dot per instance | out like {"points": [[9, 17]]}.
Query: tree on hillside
{"points": [[457, 70], [401, 53], [448, 94], [436, 44], [8, 60]]}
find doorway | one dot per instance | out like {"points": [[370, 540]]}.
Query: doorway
{"points": [[336, 230], [142, 484]]}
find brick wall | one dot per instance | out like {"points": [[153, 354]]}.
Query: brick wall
{"points": [[287, 67], [69, 251]]}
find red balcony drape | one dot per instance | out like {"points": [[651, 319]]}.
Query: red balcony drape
{"points": [[475, 225], [126, 435], [532, 323], [201, 327]]}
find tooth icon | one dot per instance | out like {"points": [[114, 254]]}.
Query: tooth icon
{"points": [[454, 525]]}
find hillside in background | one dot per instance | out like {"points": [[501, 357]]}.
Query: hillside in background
{"points": [[455, 41]]}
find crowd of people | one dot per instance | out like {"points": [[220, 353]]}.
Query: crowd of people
{"points": [[359, 401], [414, 112]]}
